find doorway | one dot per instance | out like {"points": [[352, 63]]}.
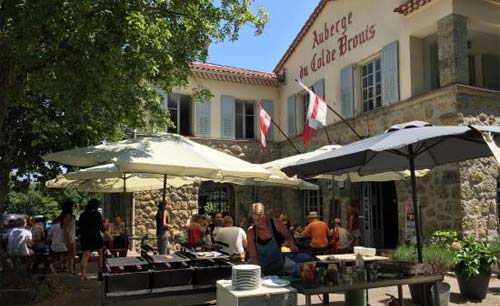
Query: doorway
{"points": [[379, 215]]}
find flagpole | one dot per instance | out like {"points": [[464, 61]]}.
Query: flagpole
{"points": [[330, 108], [283, 133]]}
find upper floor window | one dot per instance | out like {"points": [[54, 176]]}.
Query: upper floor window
{"points": [[244, 115], [180, 110], [371, 85], [305, 105]]}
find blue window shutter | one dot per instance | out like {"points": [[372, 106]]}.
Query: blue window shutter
{"points": [[227, 117], [491, 71], [203, 119], [267, 105], [347, 91], [390, 74], [291, 116], [319, 88]]}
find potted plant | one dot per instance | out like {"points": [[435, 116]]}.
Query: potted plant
{"points": [[439, 255], [473, 262]]}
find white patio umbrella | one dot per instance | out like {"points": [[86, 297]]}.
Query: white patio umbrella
{"points": [[277, 179], [413, 145], [167, 154], [132, 183]]}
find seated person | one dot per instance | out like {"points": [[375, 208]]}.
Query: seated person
{"points": [[318, 231], [197, 231], [341, 238], [234, 237], [19, 241], [120, 240]]}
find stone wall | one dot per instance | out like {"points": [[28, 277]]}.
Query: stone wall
{"points": [[478, 178]]}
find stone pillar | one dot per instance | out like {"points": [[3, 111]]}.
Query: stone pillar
{"points": [[452, 50]]}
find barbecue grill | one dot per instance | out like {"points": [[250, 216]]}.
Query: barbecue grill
{"points": [[126, 274], [171, 270]]}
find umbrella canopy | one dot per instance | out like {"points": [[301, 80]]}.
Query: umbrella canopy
{"points": [[353, 176], [132, 183], [277, 179], [430, 145], [413, 145], [168, 154]]}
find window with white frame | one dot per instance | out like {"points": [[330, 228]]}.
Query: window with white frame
{"points": [[179, 108], [371, 85], [313, 201], [244, 115]]}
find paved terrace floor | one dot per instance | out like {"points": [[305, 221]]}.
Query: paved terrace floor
{"points": [[88, 293]]}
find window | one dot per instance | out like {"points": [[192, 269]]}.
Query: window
{"points": [[244, 115], [371, 85], [179, 107], [313, 201], [214, 197], [305, 105]]}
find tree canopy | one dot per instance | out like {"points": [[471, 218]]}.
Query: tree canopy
{"points": [[76, 72]]}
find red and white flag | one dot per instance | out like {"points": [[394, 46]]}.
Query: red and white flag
{"points": [[316, 114], [264, 123]]}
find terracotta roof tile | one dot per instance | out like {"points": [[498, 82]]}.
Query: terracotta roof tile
{"points": [[410, 6], [233, 74]]}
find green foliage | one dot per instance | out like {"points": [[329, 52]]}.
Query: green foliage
{"points": [[75, 73], [474, 257], [444, 238], [31, 202], [440, 257]]}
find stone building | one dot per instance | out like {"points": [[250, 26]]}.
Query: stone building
{"points": [[377, 63]]}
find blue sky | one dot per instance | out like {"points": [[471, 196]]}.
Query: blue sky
{"points": [[263, 52]]}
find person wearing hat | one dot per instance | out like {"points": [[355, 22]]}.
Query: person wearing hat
{"points": [[341, 238], [318, 231]]}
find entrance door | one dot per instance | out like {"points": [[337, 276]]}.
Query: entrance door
{"points": [[379, 215]]}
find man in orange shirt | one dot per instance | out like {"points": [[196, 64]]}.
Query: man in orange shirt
{"points": [[318, 231]]}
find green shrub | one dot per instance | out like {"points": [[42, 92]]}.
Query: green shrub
{"points": [[440, 257], [444, 238]]}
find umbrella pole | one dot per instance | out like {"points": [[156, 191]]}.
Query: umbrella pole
{"points": [[164, 188], [416, 210]]}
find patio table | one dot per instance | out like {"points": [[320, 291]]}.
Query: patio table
{"points": [[325, 290]]}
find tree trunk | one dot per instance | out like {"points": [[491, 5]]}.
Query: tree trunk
{"points": [[6, 150], [4, 189]]}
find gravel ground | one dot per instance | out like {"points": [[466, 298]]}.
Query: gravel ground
{"points": [[88, 293]]}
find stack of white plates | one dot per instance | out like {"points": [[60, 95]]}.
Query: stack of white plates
{"points": [[245, 277]]}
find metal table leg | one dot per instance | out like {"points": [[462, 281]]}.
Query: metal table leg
{"points": [[400, 295], [326, 299], [308, 300]]}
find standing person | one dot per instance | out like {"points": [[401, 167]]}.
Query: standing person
{"points": [[216, 224], [318, 231], [163, 229], [342, 239], [353, 222], [234, 238], [68, 224], [264, 239], [91, 227]]}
